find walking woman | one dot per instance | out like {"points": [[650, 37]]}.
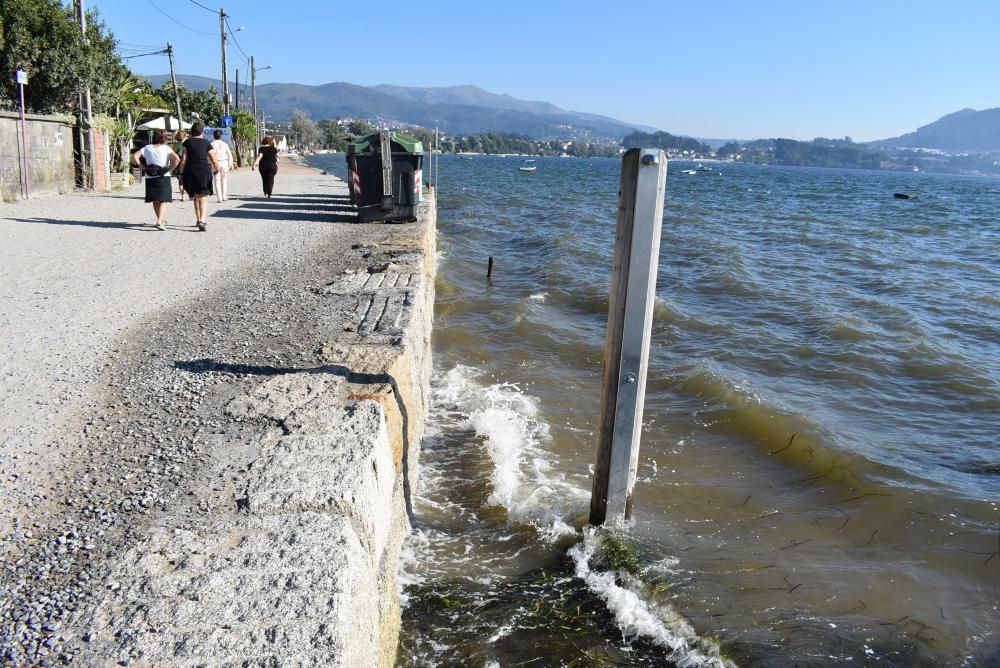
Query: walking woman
{"points": [[197, 167], [179, 138], [160, 159], [224, 157], [267, 159]]}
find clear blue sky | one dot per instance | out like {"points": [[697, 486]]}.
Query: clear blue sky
{"points": [[716, 69]]}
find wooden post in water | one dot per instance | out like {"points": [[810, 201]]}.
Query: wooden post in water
{"points": [[489, 268], [630, 320]]}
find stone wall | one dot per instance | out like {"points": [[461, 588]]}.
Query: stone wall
{"points": [[51, 168], [303, 569]]}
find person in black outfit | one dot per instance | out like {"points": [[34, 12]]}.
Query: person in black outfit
{"points": [[197, 166], [267, 159]]}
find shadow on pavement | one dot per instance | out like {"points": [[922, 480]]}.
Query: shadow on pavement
{"points": [[135, 227], [284, 214]]}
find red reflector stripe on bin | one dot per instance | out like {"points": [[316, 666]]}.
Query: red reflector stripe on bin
{"points": [[417, 178], [356, 180]]}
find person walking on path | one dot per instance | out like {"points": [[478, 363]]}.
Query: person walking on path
{"points": [[179, 138], [160, 159], [267, 159], [224, 156], [198, 165]]}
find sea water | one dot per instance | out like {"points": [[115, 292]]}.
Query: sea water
{"points": [[819, 475]]}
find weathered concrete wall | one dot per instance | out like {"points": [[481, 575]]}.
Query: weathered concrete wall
{"points": [[50, 156], [305, 574]]}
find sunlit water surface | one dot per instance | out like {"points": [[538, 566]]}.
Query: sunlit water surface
{"points": [[819, 472]]}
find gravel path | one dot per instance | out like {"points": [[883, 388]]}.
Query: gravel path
{"points": [[100, 430]]}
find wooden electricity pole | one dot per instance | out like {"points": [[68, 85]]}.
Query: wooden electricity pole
{"points": [[630, 320], [177, 93]]}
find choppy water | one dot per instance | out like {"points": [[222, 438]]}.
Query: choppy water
{"points": [[820, 469]]}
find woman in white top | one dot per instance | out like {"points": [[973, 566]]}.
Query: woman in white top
{"points": [[225, 158], [160, 160]]}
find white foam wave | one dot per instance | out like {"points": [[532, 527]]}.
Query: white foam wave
{"points": [[523, 480], [538, 297], [638, 617]]}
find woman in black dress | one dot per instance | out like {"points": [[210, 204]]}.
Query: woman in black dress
{"points": [[198, 165], [267, 159]]}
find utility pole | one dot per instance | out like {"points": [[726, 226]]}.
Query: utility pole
{"points": [[237, 89], [177, 93], [87, 118], [225, 73], [253, 101]]}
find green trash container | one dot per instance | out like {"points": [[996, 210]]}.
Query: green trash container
{"points": [[385, 176]]}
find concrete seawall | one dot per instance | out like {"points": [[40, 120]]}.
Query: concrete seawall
{"points": [[226, 481], [304, 572]]}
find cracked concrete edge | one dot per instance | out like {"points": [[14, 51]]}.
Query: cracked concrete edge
{"points": [[306, 574]]}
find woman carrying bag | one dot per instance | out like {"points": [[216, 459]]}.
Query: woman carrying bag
{"points": [[160, 159]]}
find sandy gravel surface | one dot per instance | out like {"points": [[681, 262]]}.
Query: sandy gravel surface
{"points": [[79, 269], [99, 426]]}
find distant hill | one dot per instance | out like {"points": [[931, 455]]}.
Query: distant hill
{"points": [[454, 109], [967, 130]]}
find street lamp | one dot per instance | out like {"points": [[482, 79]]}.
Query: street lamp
{"points": [[253, 91]]}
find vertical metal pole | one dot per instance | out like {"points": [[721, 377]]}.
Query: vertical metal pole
{"points": [[237, 89], [385, 145], [24, 142], [630, 319], [225, 73]]}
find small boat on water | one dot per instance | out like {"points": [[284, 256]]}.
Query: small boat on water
{"points": [[689, 171], [527, 169]]}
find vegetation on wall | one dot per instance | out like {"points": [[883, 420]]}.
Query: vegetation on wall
{"points": [[43, 38]]}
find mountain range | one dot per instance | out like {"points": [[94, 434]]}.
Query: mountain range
{"points": [[967, 130], [460, 110], [453, 109]]}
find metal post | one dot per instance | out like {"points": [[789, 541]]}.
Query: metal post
{"points": [[237, 89], [225, 73], [177, 93], [386, 147], [630, 319], [22, 78]]}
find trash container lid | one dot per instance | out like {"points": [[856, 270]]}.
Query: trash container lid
{"points": [[399, 143]]}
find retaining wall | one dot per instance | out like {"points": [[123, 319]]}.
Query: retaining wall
{"points": [[51, 166], [306, 573]]}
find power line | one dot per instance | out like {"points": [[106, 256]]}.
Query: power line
{"points": [[210, 34], [209, 9], [130, 45], [140, 55], [235, 41]]}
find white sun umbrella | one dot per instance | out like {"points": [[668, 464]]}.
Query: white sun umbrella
{"points": [[161, 124]]}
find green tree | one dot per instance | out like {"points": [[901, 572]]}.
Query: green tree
{"points": [[43, 38], [244, 137], [359, 128], [307, 134], [196, 105], [331, 135]]}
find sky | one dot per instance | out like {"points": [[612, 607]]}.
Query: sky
{"points": [[742, 69]]}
